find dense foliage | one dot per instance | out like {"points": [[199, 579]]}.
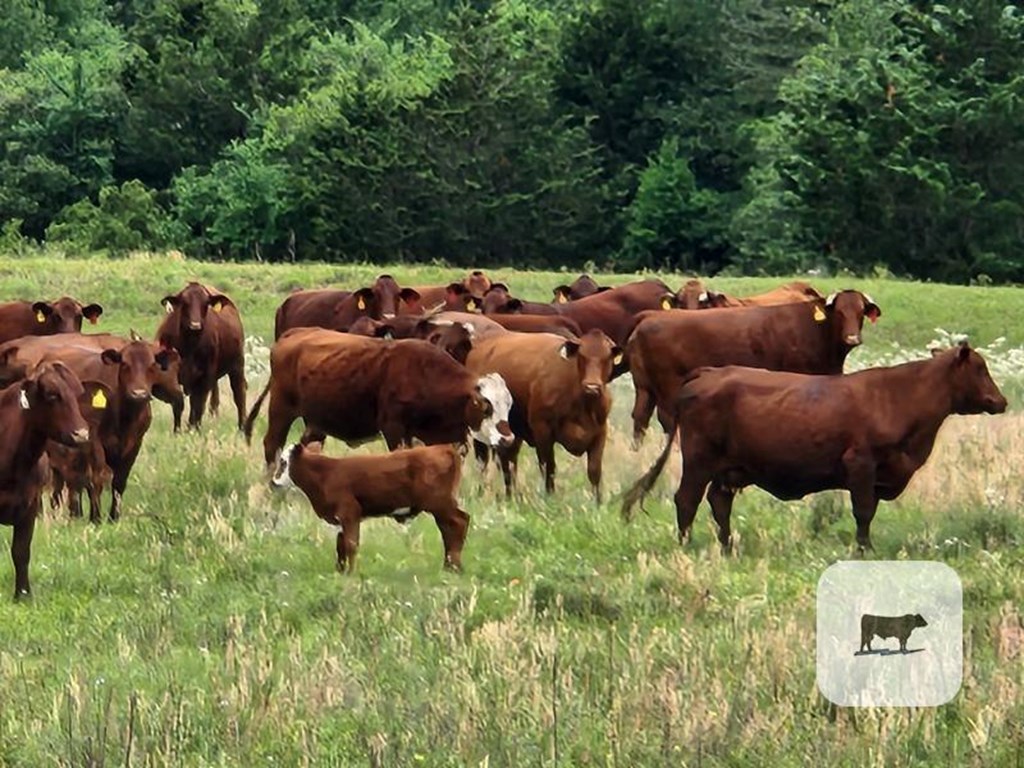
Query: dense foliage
{"points": [[748, 135]]}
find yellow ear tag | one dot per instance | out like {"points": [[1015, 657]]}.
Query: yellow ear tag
{"points": [[617, 359], [562, 299], [218, 306], [666, 304], [40, 317], [819, 315], [99, 400], [470, 305], [360, 303]]}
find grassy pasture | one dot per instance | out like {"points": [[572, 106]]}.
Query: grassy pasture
{"points": [[208, 627]]}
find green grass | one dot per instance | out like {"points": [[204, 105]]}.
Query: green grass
{"points": [[209, 628]]}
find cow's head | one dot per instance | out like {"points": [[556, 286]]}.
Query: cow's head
{"points": [[971, 385], [193, 303], [477, 283], [488, 408], [846, 310], [283, 472], [584, 285], [63, 315], [595, 356], [50, 396], [367, 326], [140, 367], [498, 300], [387, 294], [687, 297], [919, 620], [454, 338]]}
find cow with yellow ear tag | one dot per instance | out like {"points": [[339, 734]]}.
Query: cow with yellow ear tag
{"points": [[205, 328]]}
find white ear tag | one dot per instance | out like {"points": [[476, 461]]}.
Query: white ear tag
{"points": [[23, 401]]}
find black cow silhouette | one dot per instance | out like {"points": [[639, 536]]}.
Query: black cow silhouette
{"points": [[899, 627]]}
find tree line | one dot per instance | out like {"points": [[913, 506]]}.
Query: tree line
{"points": [[752, 136]]}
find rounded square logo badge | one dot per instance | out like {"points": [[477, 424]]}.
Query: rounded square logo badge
{"points": [[890, 633]]}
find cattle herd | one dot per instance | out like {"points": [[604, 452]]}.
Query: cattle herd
{"points": [[752, 387]]}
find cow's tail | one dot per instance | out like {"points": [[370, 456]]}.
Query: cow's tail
{"points": [[642, 487], [255, 411]]}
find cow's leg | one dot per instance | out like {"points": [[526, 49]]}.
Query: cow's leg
{"points": [[595, 456], [177, 409], [720, 499], [75, 502], [508, 457], [57, 491], [214, 398], [279, 421], [237, 379], [197, 404], [482, 451], [95, 490], [688, 497], [544, 441], [453, 524], [21, 553], [349, 514], [860, 479], [643, 409], [120, 479]]}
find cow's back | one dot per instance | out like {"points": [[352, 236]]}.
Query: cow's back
{"points": [[308, 309]]}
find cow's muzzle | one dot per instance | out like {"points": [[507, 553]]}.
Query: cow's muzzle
{"points": [[139, 395], [995, 405], [853, 340], [195, 325], [80, 436], [590, 389]]}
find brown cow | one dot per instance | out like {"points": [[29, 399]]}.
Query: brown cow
{"points": [[354, 388], [337, 310], [19, 356], [613, 311], [82, 468], [793, 434], [42, 407], [790, 293], [128, 373], [584, 285], [454, 297], [42, 318], [559, 395], [453, 337], [498, 300], [205, 328], [344, 491], [812, 337]]}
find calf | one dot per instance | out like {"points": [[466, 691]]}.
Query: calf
{"points": [[42, 318], [813, 337], [82, 468], [582, 286], [44, 406], [559, 395], [793, 434], [355, 388], [344, 491], [899, 627], [203, 325]]}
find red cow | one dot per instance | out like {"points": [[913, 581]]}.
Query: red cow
{"points": [[205, 328], [42, 318], [44, 406]]}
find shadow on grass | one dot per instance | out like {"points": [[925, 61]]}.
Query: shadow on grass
{"points": [[889, 652]]}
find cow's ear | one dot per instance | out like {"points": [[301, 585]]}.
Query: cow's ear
{"points": [[92, 312], [871, 310], [218, 301], [42, 311], [110, 356], [936, 351], [171, 302], [363, 298], [409, 295], [471, 304], [562, 294], [669, 301], [498, 287], [513, 305], [818, 312], [569, 349], [603, 288], [166, 357], [384, 331], [963, 352], [456, 289], [134, 335]]}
